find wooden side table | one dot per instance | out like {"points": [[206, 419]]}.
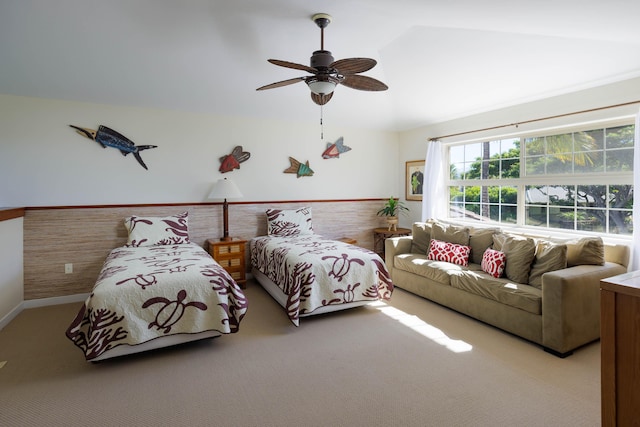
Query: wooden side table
{"points": [[620, 349], [231, 256], [381, 234]]}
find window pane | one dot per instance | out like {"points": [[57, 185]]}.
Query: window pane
{"points": [[620, 222], [511, 168], [509, 195], [589, 141], [560, 163], [620, 137], [535, 165], [534, 146], [560, 143], [591, 220], [589, 162], [562, 218], [561, 195], [456, 171], [591, 195], [536, 215], [537, 194], [620, 196], [455, 194], [472, 194], [620, 160], [509, 214]]}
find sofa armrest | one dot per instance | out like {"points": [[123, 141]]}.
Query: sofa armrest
{"points": [[571, 305], [395, 246]]}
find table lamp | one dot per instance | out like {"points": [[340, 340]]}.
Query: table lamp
{"points": [[225, 189]]}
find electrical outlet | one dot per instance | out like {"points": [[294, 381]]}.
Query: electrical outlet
{"points": [[68, 268]]}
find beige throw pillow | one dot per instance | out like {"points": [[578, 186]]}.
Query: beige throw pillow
{"points": [[549, 257], [450, 233], [421, 232], [585, 251], [480, 239], [519, 252]]}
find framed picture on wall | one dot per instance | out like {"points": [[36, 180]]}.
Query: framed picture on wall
{"points": [[414, 179]]}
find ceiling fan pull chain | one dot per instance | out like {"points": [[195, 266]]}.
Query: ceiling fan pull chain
{"points": [[321, 125]]}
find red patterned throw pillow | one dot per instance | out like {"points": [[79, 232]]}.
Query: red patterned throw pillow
{"points": [[493, 262], [449, 252]]}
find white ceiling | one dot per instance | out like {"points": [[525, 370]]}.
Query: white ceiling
{"points": [[440, 59]]}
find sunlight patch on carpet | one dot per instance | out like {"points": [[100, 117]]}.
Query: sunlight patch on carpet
{"points": [[4, 362], [423, 328]]}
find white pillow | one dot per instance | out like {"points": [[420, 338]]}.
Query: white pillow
{"points": [[157, 231], [287, 223]]}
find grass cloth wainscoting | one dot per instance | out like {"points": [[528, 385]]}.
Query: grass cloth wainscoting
{"points": [[83, 236]]}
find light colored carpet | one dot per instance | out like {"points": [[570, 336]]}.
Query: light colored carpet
{"points": [[406, 363]]}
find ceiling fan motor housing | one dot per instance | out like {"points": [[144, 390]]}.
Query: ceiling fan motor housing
{"points": [[321, 59]]}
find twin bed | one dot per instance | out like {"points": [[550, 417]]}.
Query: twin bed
{"points": [[308, 274], [156, 291], [160, 289]]}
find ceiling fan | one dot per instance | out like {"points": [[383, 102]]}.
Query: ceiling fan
{"points": [[328, 73]]}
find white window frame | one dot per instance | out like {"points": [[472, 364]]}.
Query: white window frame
{"points": [[604, 178]]}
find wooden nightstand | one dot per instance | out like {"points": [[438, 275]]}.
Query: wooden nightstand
{"points": [[230, 255]]}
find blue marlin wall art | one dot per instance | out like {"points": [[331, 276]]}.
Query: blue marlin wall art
{"points": [[110, 138], [334, 150], [300, 169]]}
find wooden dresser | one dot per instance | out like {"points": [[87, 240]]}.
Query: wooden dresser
{"points": [[620, 348]]}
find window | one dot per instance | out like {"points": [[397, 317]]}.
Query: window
{"points": [[576, 179]]}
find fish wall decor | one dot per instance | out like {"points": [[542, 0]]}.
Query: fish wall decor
{"points": [[232, 161], [300, 169], [110, 138], [334, 150]]}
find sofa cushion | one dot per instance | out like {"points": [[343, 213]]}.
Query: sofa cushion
{"points": [[549, 257], [449, 252], [493, 262], [437, 271], [585, 251], [450, 233], [421, 234], [480, 239], [519, 252], [516, 295]]}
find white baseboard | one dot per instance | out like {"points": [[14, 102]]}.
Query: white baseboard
{"points": [[43, 302], [11, 315]]}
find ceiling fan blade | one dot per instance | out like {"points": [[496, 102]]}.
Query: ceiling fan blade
{"points": [[321, 99], [363, 83], [293, 65], [353, 65], [282, 83]]}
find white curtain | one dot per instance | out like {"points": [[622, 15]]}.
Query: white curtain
{"points": [[434, 195], [635, 250]]}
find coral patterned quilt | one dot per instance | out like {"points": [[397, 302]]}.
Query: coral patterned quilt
{"points": [[153, 291], [314, 272]]}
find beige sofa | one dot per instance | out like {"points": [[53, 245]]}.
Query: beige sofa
{"points": [[554, 300]]}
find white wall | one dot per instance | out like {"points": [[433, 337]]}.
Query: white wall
{"points": [[413, 144], [11, 262], [49, 164], [43, 162]]}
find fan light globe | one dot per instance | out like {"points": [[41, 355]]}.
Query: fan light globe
{"points": [[320, 87]]}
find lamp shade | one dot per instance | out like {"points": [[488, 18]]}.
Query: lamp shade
{"points": [[224, 189]]}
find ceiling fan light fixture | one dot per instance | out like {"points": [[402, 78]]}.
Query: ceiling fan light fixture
{"points": [[321, 86]]}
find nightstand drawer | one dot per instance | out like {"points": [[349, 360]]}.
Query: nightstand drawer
{"points": [[231, 262], [231, 256], [229, 249]]}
